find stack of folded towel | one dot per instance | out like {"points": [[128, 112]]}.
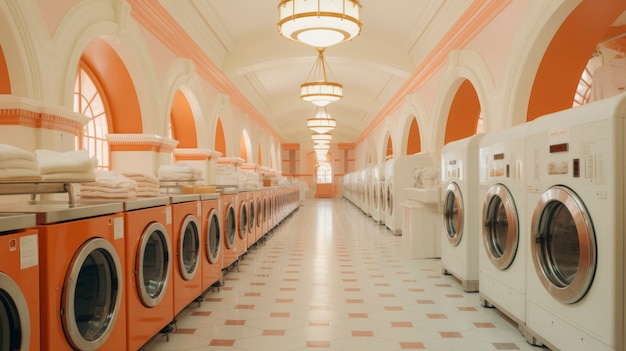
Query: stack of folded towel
{"points": [[70, 165], [179, 171], [16, 163], [147, 184], [109, 185]]}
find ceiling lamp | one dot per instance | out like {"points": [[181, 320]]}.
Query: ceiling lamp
{"points": [[322, 138], [321, 123], [319, 23], [319, 147], [317, 89]]}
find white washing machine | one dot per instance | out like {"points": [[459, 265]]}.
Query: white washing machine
{"points": [[502, 193], [461, 210], [398, 177], [375, 193], [382, 193], [575, 296]]}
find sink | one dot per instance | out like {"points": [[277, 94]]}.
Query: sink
{"points": [[428, 196]]}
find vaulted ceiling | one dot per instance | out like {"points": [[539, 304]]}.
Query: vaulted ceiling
{"points": [[242, 39]]}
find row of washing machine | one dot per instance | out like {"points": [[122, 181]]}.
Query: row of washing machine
{"points": [[110, 276], [379, 190], [534, 219]]}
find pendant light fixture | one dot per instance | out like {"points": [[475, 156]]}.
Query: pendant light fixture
{"points": [[322, 138], [319, 23], [317, 88], [322, 122]]}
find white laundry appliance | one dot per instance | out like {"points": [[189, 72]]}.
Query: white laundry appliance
{"points": [[398, 177], [575, 296], [375, 193], [19, 282], [502, 193], [461, 210], [382, 194]]}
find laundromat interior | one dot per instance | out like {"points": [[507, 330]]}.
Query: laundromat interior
{"points": [[312, 175]]}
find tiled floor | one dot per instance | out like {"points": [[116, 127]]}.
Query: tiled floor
{"points": [[329, 278]]}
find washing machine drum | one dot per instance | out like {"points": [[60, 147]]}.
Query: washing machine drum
{"points": [[231, 227], [153, 264], [214, 235], [259, 213], [92, 295], [14, 317], [390, 199], [453, 214], [564, 245], [500, 226], [243, 220], [189, 248], [251, 222]]}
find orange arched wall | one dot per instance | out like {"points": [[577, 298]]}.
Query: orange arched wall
{"points": [[464, 113], [182, 121], [5, 80], [110, 71], [220, 141], [414, 143], [565, 58], [389, 150]]}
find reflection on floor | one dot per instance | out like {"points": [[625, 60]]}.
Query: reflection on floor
{"points": [[329, 278]]}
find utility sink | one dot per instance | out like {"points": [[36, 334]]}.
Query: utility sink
{"points": [[428, 196]]}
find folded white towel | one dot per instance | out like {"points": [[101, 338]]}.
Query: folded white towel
{"points": [[148, 192], [107, 195], [113, 179], [10, 152], [180, 171], [20, 163], [88, 176], [86, 187], [71, 161], [6, 173], [141, 177]]}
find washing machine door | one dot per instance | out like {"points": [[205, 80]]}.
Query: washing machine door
{"points": [[14, 317], [189, 248], [259, 213], [231, 227], [500, 226], [383, 206], [243, 220], [390, 199], [152, 264], [251, 213], [214, 235], [92, 295], [564, 244], [453, 214]]}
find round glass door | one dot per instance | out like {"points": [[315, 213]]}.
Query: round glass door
{"points": [[14, 317], [243, 220], [453, 214], [564, 245], [259, 213], [500, 226], [152, 265], [251, 221], [189, 248], [390, 199], [230, 227], [92, 295], [213, 237]]}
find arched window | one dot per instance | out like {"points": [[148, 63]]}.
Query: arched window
{"points": [[89, 102], [324, 172]]}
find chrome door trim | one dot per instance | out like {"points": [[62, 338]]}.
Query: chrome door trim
{"points": [[21, 308], [243, 220], [188, 274], [454, 234], [230, 229], [575, 290], [144, 296], [213, 217], [499, 193], [70, 326]]}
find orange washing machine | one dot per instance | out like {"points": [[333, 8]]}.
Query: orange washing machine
{"points": [[149, 256], [267, 209], [251, 218], [229, 222], [81, 275], [186, 242], [242, 225], [258, 231], [212, 260], [19, 283]]}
